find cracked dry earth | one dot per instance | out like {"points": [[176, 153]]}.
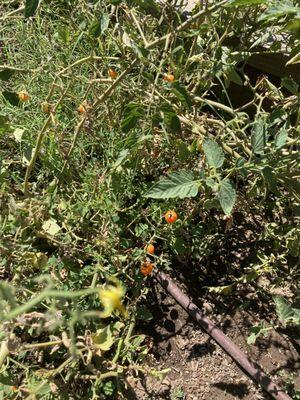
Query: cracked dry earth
{"points": [[199, 368]]}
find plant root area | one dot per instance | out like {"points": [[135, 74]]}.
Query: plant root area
{"points": [[199, 368]]}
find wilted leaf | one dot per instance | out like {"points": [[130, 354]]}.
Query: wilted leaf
{"points": [[178, 184], [51, 227], [27, 155], [225, 290], [18, 133], [227, 196], [103, 338], [36, 260], [214, 154], [160, 374]]}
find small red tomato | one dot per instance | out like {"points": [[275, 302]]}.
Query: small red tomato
{"points": [[150, 249], [112, 73], [171, 216], [23, 96], [169, 78], [146, 268]]}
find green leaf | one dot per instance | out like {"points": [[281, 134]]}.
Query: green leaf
{"points": [[182, 94], [284, 309], [108, 388], [103, 338], [227, 196], [171, 119], [99, 26], [143, 314], [149, 6], [278, 10], [178, 185], [270, 179], [6, 74], [95, 28], [132, 113], [183, 150], [258, 136], [124, 154], [30, 7], [140, 51], [11, 97], [63, 33], [281, 138], [234, 3], [4, 123], [256, 331], [214, 154], [233, 76], [290, 85]]}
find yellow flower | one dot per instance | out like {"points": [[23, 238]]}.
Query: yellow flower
{"points": [[111, 298]]}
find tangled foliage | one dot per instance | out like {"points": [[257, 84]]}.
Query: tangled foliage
{"points": [[112, 113]]}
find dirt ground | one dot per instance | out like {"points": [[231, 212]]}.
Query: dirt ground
{"points": [[199, 368]]}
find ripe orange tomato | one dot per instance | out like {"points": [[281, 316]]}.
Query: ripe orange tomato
{"points": [[150, 249], [146, 268], [81, 109], [169, 77], [171, 216], [23, 96], [112, 73]]}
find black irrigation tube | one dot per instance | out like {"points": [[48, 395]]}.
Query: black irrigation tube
{"points": [[244, 362]]}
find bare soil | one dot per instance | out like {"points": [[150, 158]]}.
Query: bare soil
{"points": [[199, 368]]}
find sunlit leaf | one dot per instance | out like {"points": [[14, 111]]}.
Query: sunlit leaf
{"points": [[51, 227], [227, 196], [258, 136], [214, 154], [103, 338]]}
